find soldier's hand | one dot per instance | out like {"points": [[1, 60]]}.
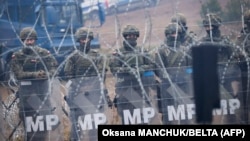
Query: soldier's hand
{"points": [[41, 74]]}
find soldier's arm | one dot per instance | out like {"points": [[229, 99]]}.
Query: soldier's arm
{"points": [[114, 63], [148, 62], [103, 64], [69, 68], [52, 65], [17, 69], [49, 60], [160, 62]]}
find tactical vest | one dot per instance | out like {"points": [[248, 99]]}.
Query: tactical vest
{"points": [[34, 61], [132, 59], [89, 65], [174, 58]]}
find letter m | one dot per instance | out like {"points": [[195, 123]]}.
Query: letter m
{"points": [[39, 124]]}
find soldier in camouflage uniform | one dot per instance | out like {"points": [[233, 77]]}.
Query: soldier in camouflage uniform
{"points": [[243, 41], [173, 63], [187, 38], [35, 64], [32, 61], [227, 67], [129, 64], [86, 68]]}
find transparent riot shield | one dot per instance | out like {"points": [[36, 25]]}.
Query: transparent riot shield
{"points": [[40, 106], [87, 102], [230, 104], [135, 98], [58, 130], [176, 97]]}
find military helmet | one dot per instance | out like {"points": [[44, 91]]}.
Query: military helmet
{"points": [[212, 19], [130, 29], [172, 28], [179, 18], [28, 32], [83, 33], [247, 17]]}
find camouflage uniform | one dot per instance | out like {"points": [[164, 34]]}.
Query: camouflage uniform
{"points": [[89, 61], [86, 68], [243, 41], [129, 64], [187, 38], [36, 65], [173, 63], [227, 67], [33, 63]]}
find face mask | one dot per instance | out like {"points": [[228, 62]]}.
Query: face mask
{"points": [[215, 32], [129, 44], [173, 41], [84, 46]]}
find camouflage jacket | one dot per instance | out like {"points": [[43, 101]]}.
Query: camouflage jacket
{"points": [[86, 65], [127, 62], [167, 57], [24, 65], [189, 39]]}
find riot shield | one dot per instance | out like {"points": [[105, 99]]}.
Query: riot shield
{"points": [[230, 105], [135, 98], [87, 102], [59, 111], [176, 97], [40, 117]]}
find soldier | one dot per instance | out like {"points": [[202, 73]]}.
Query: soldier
{"points": [[243, 41], [33, 67], [173, 63], [129, 65], [86, 70], [187, 38], [227, 68]]}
